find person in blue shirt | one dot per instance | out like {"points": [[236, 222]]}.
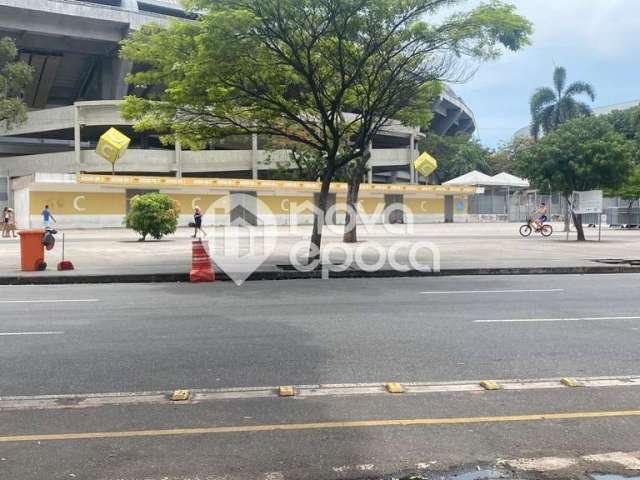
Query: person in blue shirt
{"points": [[47, 216]]}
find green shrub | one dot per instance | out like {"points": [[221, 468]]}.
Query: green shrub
{"points": [[154, 214]]}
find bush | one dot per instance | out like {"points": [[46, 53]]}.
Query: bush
{"points": [[154, 214]]}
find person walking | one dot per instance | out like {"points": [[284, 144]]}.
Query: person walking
{"points": [[47, 216], [11, 225], [197, 222], [5, 222]]}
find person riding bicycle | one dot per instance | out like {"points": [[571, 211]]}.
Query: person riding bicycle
{"points": [[541, 215]]}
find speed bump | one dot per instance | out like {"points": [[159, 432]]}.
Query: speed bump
{"points": [[180, 395], [394, 387], [286, 391], [490, 385], [571, 382]]}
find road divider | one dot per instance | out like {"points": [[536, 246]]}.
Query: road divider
{"points": [[180, 395], [54, 402], [571, 382], [490, 385], [286, 391], [394, 387]]}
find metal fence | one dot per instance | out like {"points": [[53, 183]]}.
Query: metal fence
{"points": [[623, 217], [502, 205], [508, 206]]}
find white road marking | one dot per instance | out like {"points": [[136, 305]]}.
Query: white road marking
{"points": [[17, 334], [541, 290], [82, 300], [538, 320]]}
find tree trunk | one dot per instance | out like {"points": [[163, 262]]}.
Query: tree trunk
{"points": [[351, 219], [566, 214], [577, 221], [319, 216]]}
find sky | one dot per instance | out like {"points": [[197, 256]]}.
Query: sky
{"points": [[597, 41]]}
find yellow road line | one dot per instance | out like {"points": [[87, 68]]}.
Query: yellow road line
{"points": [[319, 426]]}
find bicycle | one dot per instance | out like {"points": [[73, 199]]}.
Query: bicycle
{"points": [[534, 226]]}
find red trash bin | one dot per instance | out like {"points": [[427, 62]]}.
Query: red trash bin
{"points": [[31, 249]]}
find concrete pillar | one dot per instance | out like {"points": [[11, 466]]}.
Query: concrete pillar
{"points": [[121, 68], [76, 139], [129, 5], [254, 156], [9, 193], [448, 209], [178, 159]]}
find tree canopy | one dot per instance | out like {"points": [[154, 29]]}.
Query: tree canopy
{"points": [[551, 107], [583, 154], [456, 155], [15, 76], [627, 123], [322, 73]]}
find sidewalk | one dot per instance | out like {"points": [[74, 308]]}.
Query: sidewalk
{"points": [[461, 246]]}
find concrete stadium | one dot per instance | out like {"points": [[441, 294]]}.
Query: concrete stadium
{"points": [[78, 84], [72, 46]]}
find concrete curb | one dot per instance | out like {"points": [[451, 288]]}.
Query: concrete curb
{"points": [[285, 274]]}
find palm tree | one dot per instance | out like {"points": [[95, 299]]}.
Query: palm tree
{"points": [[551, 107]]}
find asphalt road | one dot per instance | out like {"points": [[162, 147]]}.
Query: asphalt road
{"points": [[131, 338]]}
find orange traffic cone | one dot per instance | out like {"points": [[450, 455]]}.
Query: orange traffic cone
{"points": [[201, 270]]}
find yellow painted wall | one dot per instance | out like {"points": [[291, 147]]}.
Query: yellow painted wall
{"points": [[285, 204], [371, 205], [78, 203], [419, 206], [113, 203], [187, 202]]}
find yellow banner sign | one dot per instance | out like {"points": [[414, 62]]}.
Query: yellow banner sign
{"points": [[269, 185]]}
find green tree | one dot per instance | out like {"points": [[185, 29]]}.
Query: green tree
{"points": [[551, 107], [627, 123], [456, 155], [293, 68], [15, 76], [502, 159], [152, 214], [583, 154], [630, 188]]}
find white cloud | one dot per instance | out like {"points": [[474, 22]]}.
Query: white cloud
{"points": [[605, 27]]}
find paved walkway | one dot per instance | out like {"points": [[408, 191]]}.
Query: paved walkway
{"points": [[118, 251]]}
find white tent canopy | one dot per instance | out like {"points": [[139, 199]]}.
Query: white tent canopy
{"points": [[473, 178], [511, 180], [476, 178]]}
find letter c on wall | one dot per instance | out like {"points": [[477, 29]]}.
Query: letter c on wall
{"points": [[75, 203]]}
